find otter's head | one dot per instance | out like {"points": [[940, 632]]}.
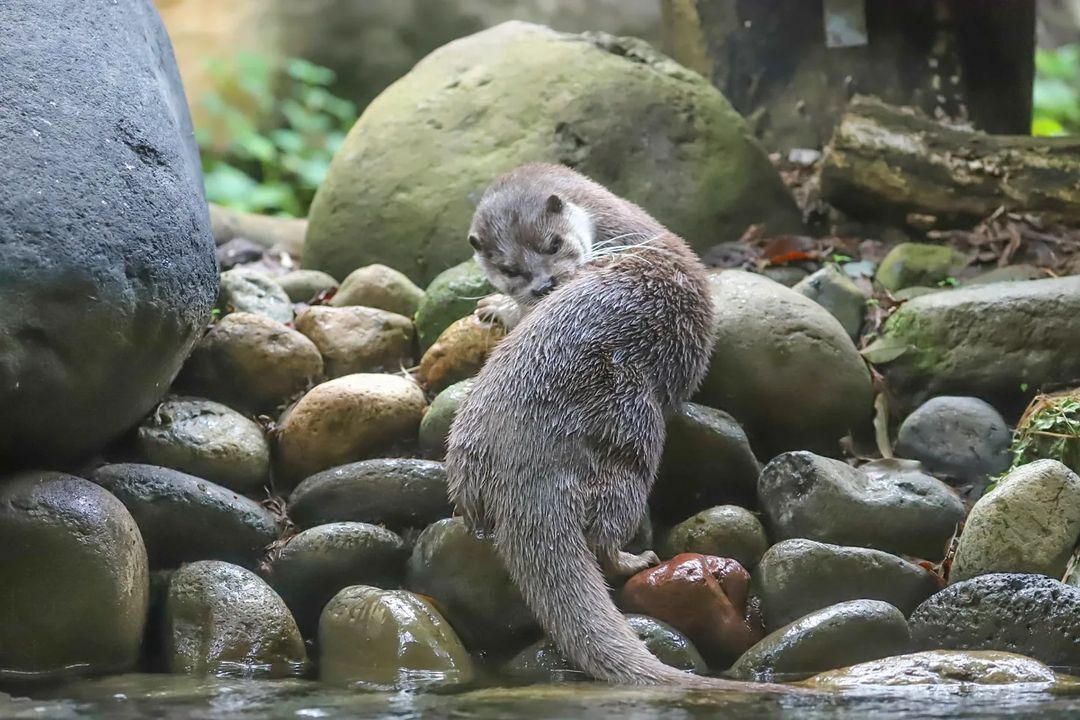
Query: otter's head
{"points": [[528, 242]]}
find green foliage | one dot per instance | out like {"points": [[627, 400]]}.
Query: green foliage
{"points": [[281, 126], [1051, 429], [1057, 91]]}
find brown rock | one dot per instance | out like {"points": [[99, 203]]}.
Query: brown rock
{"points": [[359, 339], [459, 353], [344, 420], [251, 361], [703, 596], [378, 286]]}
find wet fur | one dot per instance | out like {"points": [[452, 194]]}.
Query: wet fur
{"points": [[554, 451]]}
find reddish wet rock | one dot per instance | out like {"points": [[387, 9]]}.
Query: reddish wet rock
{"points": [[703, 596]]}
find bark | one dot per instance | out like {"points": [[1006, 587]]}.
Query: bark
{"points": [[885, 161]]}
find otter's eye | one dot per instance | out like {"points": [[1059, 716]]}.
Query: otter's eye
{"points": [[511, 272], [556, 243]]}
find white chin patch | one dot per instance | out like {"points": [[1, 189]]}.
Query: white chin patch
{"points": [[582, 227]]}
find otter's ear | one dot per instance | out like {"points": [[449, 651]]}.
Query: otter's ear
{"points": [[554, 204], [474, 240]]}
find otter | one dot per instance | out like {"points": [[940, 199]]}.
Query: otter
{"points": [[554, 450]]}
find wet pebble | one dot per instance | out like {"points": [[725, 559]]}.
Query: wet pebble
{"points": [[834, 637], [458, 353], [221, 619], [396, 492], [831, 288], [725, 531], [184, 518], [378, 286], [798, 576], [344, 420], [311, 566], [304, 285], [1029, 523], [208, 440], [937, 667], [388, 638], [963, 437], [885, 505], [74, 579], [435, 427], [702, 596], [358, 339], [244, 290], [252, 362]]}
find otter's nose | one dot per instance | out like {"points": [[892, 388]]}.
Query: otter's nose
{"points": [[545, 287]]}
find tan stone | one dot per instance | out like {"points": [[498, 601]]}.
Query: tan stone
{"points": [[358, 339], [347, 419], [380, 287], [459, 353]]}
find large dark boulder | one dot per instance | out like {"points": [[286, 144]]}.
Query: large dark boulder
{"points": [[107, 269]]}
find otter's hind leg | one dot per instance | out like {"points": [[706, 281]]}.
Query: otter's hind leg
{"points": [[618, 499]]}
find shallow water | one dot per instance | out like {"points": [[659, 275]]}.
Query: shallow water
{"points": [[175, 697]]}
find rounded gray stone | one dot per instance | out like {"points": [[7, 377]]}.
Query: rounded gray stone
{"points": [[435, 425], [963, 437], [1027, 614], [831, 288], [244, 290], [797, 577], [303, 285], [396, 492], [107, 270], [183, 518], [885, 505], [783, 367]]}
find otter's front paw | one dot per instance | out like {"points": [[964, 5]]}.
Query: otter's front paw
{"points": [[499, 308], [626, 565]]}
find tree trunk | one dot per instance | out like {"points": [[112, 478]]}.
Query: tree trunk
{"points": [[886, 161], [779, 65]]}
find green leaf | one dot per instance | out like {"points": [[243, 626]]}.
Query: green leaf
{"points": [[885, 350]]}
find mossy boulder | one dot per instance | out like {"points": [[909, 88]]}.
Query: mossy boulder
{"points": [[783, 367], [451, 296], [74, 579], [994, 341], [390, 638], [401, 189], [919, 264]]}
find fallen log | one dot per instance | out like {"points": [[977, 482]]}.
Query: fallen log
{"points": [[885, 162], [271, 232]]}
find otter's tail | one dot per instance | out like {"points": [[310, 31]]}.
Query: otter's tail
{"points": [[562, 584]]}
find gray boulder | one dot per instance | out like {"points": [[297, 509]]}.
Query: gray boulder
{"points": [[783, 367], [883, 505], [1026, 614], [964, 437], [107, 273], [989, 341], [614, 108]]}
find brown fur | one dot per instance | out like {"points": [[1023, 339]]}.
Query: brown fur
{"points": [[555, 449]]}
